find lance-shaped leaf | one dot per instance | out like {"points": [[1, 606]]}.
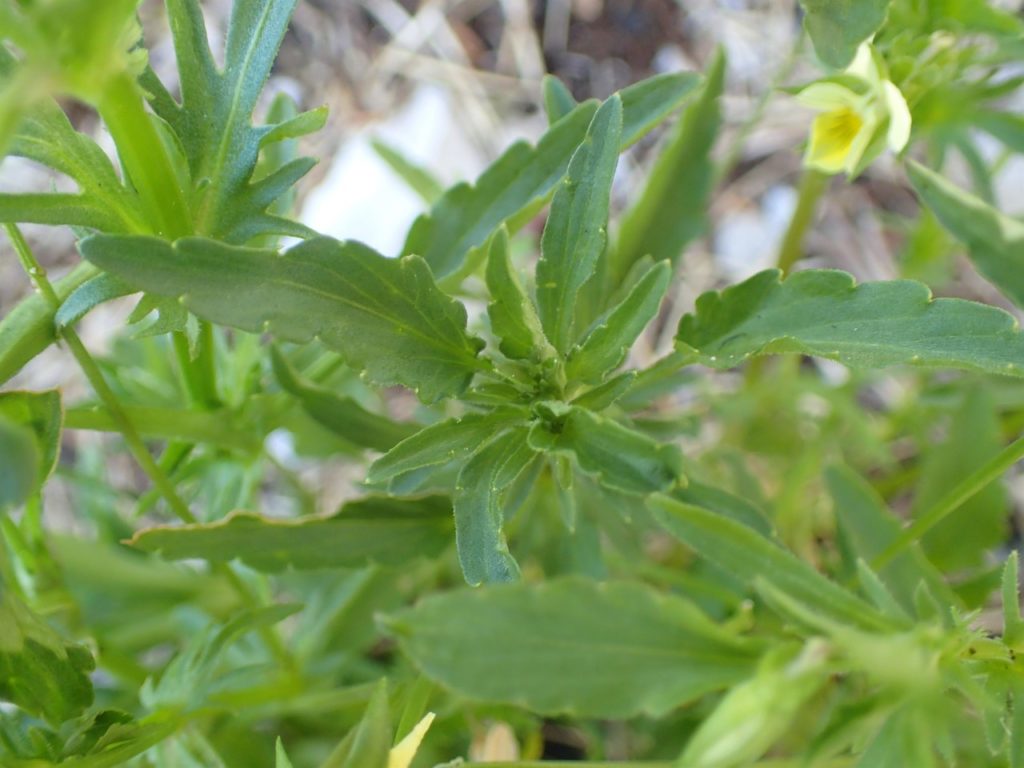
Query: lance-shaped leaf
{"points": [[995, 242], [838, 27], [419, 179], [870, 527], [606, 344], [40, 672], [671, 211], [340, 414], [980, 523], [376, 529], [214, 120], [480, 508], [571, 646], [824, 313], [516, 185], [440, 443], [558, 99], [369, 743], [622, 459], [221, 427], [747, 555], [385, 316], [84, 299], [723, 503], [513, 316], [577, 228]]}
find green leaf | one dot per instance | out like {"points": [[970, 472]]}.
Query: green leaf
{"points": [[480, 507], [123, 742], [672, 209], [823, 313], [43, 415], [368, 744], [570, 646], [375, 529], [214, 120], [219, 427], [558, 99], [724, 503], [46, 136], [280, 756], [340, 414], [516, 185], [280, 149], [419, 179], [56, 209], [39, 671], [981, 523], [870, 527], [604, 395], [29, 328], [838, 27], [905, 739], [198, 672], [1016, 724], [19, 464], [513, 316], [385, 316], [577, 228], [95, 291], [449, 440], [753, 716], [607, 343], [747, 555], [620, 458], [994, 241]]}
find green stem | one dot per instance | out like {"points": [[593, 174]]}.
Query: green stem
{"points": [[144, 157], [812, 185], [8, 578], [952, 501], [198, 375]]}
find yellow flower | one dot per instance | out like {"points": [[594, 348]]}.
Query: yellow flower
{"points": [[861, 114], [403, 752]]}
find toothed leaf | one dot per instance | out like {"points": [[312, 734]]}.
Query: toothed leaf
{"points": [[824, 313], [385, 316]]}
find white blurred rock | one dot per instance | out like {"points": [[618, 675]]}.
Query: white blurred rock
{"points": [[362, 198], [747, 240]]}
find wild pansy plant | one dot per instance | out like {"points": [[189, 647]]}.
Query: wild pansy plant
{"points": [[777, 568]]}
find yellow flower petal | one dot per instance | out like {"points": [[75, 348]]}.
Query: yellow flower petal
{"points": [[827, 96], [832, 137], [403, 752], [860, 144]]}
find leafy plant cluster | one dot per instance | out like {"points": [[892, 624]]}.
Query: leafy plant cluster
{"points": [[685, 566]]}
